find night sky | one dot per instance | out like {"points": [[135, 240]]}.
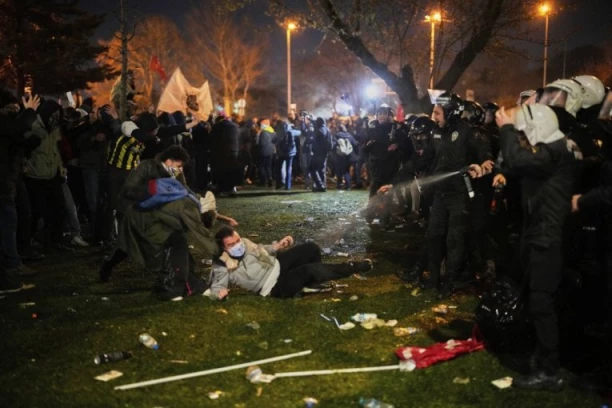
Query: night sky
{"points": [[591, 22]]}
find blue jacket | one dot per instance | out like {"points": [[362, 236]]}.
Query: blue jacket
{"points": [[165, 191], [286, 140]]}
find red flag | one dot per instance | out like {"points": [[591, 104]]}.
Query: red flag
{"points": [[156, 66]]}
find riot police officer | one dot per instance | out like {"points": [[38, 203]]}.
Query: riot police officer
{"points": [[455, 150]]}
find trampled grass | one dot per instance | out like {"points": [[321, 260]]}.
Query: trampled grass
{"points": [[47, 361]]}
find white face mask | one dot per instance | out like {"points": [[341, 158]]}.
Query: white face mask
{"points": [[237, 251]]}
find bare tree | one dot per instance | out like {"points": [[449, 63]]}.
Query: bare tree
{"points": [[228, 56], [390, 37]]}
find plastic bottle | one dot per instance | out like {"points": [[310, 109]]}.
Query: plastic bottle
{"points": [[111, 357], [362, 317], [148, 341], [373, 403]]}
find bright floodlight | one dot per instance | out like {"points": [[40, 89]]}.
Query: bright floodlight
{"points": [[291, 26], [437, 17], [544, 9], [372, 91]]}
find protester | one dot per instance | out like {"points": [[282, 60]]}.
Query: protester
{"points": [[273, 270]]}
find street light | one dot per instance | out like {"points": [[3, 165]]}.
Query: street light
{"points": [[545, 10], [290, 26], [433, 19]]}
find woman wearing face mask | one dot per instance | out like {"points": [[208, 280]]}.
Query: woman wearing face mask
{"points": [[273, 270]]}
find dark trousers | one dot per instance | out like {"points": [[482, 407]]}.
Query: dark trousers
{"points": [[301, 266], [24, 217], [343, 167], [202, 173], [47, 202], [381, 173], [480, 243], [265, 170], [446, 229], [317, 171], [178, 277], [9, 257], [544, 269]]}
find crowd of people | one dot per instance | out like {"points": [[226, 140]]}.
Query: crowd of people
{"points": [[502, 192]]}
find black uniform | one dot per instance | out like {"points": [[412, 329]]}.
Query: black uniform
{"points": [[382, 163], [547, 174], [454, 148]]}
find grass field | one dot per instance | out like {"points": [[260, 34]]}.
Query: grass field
{"points": [[48, 361]]}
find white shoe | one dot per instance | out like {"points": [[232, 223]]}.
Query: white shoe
{"points": [[79, 241]]}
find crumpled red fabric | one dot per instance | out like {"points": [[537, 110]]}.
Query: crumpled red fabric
{"points": [[425, 357]]}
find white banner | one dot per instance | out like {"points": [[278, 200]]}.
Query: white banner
{"points": [[179, 95]]}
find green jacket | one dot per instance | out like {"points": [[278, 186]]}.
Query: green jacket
{"points": [[44, 161], [144, 233]]}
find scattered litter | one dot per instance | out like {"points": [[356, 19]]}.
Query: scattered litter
{"points": [[404, 331], [327, 251], [310, 402], [291, 202], [344, 254], [268, 224], [391, 323], [416, 292], [254, 325], [342, 191], [259, 391], [256, 376], [336, 300], [362, 317], [193, 336], [238, 353], [263, 345], [71, 310], [339, 291], [75, 294], [27, 304], [207, 262], [360, 277], [399, 226], [339, 242], [452, 307], [502, 383], [253, 235], [354, 297], [164, 334], [111, 375], [222, 311], [347, 326], [341, 219], [441, 320], [440, 309], [375, 221], [336, 202], [191, 247], [372, 323], [287, 341], [215, 395], [179, 361], [461, 380], [309, 219], [105, 298], [28, 286]]}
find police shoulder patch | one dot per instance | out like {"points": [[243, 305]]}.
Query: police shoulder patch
{"points": [[454, 135]]}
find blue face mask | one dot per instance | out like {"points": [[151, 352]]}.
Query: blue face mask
{"points": [[237, 251]]}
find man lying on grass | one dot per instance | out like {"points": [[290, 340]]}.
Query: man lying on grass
{"points": [[273, 270]]}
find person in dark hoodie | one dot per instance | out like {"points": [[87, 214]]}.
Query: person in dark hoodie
{"points": [[93, 145], [227, 170], [265, 142], [345, 147], [322, 146], [13, 126]]}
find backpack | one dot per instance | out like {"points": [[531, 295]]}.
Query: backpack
{"points": [[344, 147], [287, 143]]}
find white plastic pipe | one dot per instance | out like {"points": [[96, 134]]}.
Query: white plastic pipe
{"points": [[339, 371], [211, 371]]}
